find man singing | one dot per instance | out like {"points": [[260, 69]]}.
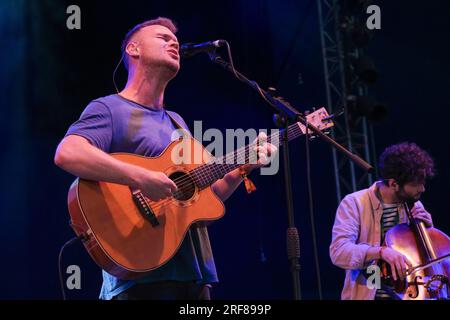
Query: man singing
{"points": [[136, 121]]}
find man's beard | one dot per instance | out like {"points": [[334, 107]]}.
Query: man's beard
{"points": [[405, 197]]}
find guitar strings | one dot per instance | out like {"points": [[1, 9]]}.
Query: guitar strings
{"points": [[293, 134], [185, 180], [184, 184], [238, 154]]}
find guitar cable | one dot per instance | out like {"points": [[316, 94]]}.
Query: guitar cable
{"points": [[311, 212], [61, 280]]}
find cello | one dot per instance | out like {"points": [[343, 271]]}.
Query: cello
{"points": [[428, 250]]}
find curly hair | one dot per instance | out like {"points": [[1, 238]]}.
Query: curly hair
{"points": [[406, 162]]}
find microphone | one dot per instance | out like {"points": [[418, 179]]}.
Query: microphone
{"points": [[189, 49]]}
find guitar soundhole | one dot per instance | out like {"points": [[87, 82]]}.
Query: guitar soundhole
{"points": [[185, 184]]}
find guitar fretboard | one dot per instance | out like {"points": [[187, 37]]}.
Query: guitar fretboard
{"points": [[210, 172]]}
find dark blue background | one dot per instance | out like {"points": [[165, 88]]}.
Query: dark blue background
{"points": [[49, 74]]}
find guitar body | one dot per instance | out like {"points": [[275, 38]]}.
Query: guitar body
{"points": [[118, 236]]}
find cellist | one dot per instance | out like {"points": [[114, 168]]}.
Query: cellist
{"points": [[364, 217]]}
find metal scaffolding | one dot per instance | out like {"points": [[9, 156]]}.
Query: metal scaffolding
{"points": [[341, 83]]}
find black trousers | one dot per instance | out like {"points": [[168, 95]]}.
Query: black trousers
{"points": [[166, 290]]}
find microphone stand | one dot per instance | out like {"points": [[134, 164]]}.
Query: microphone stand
{"points": [[286, 114]]}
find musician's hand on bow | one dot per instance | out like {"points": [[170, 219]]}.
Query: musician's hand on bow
{"points": [[421, 214], [397, 261]]}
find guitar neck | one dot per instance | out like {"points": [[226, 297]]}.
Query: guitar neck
{"points": [[208, 173]]}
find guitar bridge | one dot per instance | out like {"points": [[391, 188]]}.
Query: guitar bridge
{"points": [[144, 208]]}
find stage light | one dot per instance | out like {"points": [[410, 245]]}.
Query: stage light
{"points": [[367, 107], [366, 70], [356, 6], [360, 35]]}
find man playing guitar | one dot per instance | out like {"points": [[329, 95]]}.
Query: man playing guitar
{"points": [[135, 121]]}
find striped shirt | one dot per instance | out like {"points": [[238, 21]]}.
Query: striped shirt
{"points": [[389, 219]]}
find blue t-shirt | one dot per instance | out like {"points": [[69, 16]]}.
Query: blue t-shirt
{"points": [[115, 124]]}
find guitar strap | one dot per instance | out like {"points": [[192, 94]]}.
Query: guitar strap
{"points": [[178, 126]]}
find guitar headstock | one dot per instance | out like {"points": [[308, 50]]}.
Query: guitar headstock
{"points": [[319, 118]]}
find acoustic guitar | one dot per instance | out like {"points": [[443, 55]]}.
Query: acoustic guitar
{"points": [[129, 235]]}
